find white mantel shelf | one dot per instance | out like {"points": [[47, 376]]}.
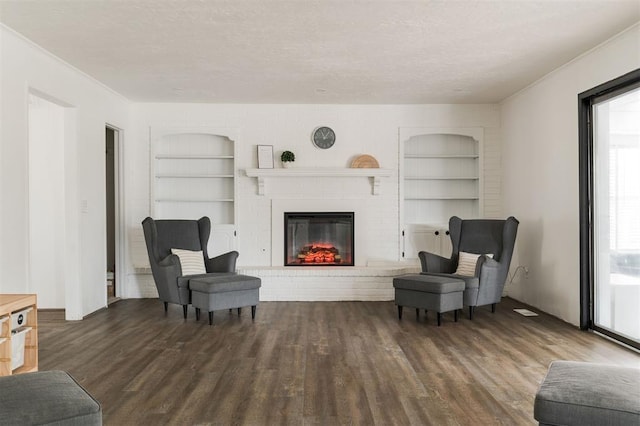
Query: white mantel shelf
{"points": [[375, 174]]}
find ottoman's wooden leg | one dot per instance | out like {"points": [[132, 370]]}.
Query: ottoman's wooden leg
{"points": [[239, 310], [455, 315], [417, 314], [210, 317], [439, 318], [253, 312], [399, 312], [184, 311], [493, 308], [197, 314], [166, 306], [470, 312]]}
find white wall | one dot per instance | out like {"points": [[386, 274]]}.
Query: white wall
{"points": [[89, 106], [360, 129], [540, 163]]}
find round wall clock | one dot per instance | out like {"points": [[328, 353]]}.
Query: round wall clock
{"points": [[323, 137]]}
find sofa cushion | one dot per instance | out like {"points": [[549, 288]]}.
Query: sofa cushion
{"points": [[579, 393], [46, 397]]}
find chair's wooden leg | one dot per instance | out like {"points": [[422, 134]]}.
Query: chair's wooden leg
{"points": [[210, 317], [455, 315], [470, 312], [166, 306], [197, 314], [239, 310], [230, 310], [184, 311], [253, 312], [417, 314], [439, 318], [399, 312], [493, 308]]}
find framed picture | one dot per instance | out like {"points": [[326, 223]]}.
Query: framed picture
{"points": [[265, 156]]}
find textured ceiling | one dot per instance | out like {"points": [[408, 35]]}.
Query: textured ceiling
{"points": [[305, 51]]}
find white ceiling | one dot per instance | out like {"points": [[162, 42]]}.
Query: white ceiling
{"points": [[323, 51]]}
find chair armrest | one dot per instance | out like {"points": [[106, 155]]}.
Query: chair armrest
{"points": [[167, 269], [487, 269], [433, 263], [224, 263]]}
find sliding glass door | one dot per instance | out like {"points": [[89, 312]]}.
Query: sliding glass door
{"points": [[614, 212]]}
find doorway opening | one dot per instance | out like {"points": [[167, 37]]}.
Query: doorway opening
{"points": [[609, 208], [112, 142], [47, 209]]}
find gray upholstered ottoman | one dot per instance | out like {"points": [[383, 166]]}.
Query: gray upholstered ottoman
{"points": [[226, 291], [431, 293], [580, 393], [46, 398]]}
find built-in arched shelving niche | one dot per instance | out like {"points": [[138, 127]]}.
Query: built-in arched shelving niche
{"points": [[440, 176], [193, 174]]}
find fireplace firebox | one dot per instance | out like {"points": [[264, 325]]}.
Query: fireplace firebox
{"points": [[319, 239]]}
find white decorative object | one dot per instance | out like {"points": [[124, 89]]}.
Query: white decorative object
{"points": [[265, 156]]}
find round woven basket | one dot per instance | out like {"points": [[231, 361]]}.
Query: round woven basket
{"points": [[365, 162]]}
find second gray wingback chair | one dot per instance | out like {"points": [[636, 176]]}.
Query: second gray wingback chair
{"points": [[163, 235], [477, 236]]}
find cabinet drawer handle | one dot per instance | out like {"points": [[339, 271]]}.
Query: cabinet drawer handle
{"points": [[437, 232]]}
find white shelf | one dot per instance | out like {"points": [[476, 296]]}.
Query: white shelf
{"points": [[262, 174], [182, 200], [441, 178], [193, 157], [179, 176], [439, 198], [193, 175], [441, 174], [442, 156]]}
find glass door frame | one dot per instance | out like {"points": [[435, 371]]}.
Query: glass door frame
{"points": [[586, 101]]}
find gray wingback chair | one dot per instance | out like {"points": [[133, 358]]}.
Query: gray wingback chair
{"points": [[163, 235], [478, 236]]}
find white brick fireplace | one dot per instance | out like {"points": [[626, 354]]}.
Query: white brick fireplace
{"points": [[371, 277]]}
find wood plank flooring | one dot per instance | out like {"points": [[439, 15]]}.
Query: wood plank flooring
{"points": [[321, 363]]}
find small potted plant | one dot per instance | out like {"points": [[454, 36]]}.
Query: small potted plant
{"points": [[287, 157]]}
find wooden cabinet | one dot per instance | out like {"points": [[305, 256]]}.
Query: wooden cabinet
{"points": [[193, 175], [440, 177], [11, 307]]}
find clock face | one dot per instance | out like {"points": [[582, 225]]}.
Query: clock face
{"points": [[323, 137]]}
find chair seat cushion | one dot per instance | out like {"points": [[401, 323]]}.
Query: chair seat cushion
{"points": [[429, 283], [184, 281], [221, 283], [469, 282], [579, 393], [46, 397]]}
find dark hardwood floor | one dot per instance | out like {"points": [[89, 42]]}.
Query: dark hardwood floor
{"points": [[319, 363]]}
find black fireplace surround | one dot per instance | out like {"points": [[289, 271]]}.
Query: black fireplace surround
{"points": [[319, 239]]}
